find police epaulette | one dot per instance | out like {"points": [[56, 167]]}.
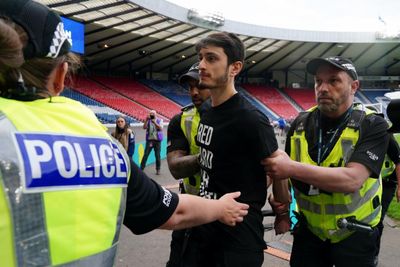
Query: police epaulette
{"points": [[301, 120], [187, 107], [356, 118]]}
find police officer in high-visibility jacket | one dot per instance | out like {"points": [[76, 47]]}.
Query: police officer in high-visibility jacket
{"points": [[336, 152], [63, 179], [182, 156]]}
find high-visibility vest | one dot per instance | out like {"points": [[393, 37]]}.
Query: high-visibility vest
{"points": [[189, 123], [62, 185], [322, 210], [388, 166]]}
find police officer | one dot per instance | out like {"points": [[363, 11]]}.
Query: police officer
{"points": [[336, 152], [390, 175], [182, 148], [63, 179], [390, 169], [182, 156]]}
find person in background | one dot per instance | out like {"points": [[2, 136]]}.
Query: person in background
{"points": [[334, 157], [154, 136], [66, 185], [124, 135], [182, 157]]}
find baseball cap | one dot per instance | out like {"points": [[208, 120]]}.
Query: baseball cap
{"points": [[393, 113], [44, 27], [338, 62], [193, 73]]}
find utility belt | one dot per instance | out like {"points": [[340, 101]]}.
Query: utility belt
{"points": [[344, 223]]}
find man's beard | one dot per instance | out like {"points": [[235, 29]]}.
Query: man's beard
{"points": [[328, 108], [220, 81]]}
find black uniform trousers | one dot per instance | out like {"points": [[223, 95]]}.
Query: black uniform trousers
{"points": [[358, 250]]}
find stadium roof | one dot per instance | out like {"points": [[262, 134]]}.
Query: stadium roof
{"points": [[157, 36]]}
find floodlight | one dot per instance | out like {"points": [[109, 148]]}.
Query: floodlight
{"points": [[208, 18]]}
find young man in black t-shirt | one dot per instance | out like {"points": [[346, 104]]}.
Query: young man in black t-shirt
{"points": [[233, 137]]}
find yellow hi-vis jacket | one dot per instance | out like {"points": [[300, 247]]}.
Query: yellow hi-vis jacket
{"points": [[323, 210], [189, 123], [62, 185], [388, 166]]}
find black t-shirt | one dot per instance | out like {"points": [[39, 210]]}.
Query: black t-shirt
{"points": [[233, 138], [148, 205], [372, 142]]}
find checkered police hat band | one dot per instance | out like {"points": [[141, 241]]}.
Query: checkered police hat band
{"points": [[58, 41]]}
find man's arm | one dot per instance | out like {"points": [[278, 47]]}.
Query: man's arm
{"points": [[159, 125], [365, 161], [346, 179], [150, 206], [280, 188], [145, 124], [181, 164], [193, 210]]}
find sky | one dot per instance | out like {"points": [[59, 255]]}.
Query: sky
{"points": [[316, 15]]}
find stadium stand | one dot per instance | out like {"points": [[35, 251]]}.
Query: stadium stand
{"points": [[360, 97], [169, 89], [141, 94], [375, 95], [304, 97], [105, 114], [273, 99], [265, 110], [110, 98]]}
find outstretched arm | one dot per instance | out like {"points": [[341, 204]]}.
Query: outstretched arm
{"points": [[150, 206], [346, 179], [280, 188], [192, 211], [181, 164]]}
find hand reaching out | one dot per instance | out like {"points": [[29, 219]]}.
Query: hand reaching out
{"points": [[278, 165], [232, 211]]}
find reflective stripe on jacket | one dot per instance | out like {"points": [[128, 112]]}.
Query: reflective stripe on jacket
{"points": [[189, 123], [388, 166]]}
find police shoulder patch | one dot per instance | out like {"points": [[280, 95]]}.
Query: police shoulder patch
{"points": [[60, 162]]}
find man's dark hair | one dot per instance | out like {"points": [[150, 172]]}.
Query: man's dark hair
{"points": [[232, 45]]}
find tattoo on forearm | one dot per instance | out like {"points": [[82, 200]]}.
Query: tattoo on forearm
{"points": [[182, 165]]}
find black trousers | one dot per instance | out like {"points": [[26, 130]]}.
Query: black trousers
{"points": [[190, 249], [358, 250], [389, 189], [152, 144]]}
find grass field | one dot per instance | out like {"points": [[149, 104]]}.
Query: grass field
{"points": [[394, 209]]}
